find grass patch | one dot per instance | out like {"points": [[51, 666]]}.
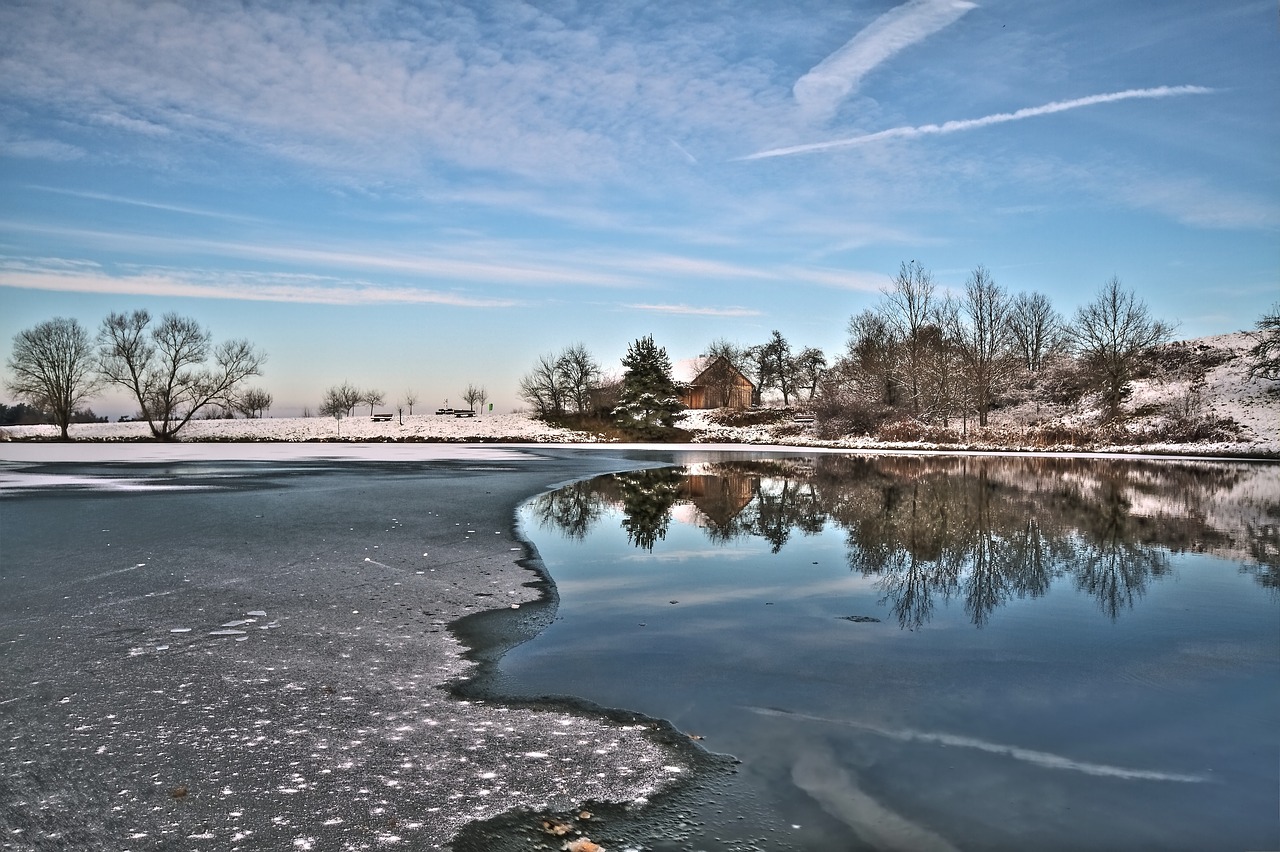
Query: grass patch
{"points": [[609, 430]]}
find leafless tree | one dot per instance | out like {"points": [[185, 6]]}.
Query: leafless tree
{"points": [[254, 402], [52, 367], [908, 310], [1265, 351], [473, 395], [984, 339], [809, 367], [541, 387], [164, 366], [372, 398], [721, 348], [410, 399], [1037, 329], [777, 367], [578, 375], [942, 389], [720, 382], [338, 401], [1109, 334], [873, 351]]}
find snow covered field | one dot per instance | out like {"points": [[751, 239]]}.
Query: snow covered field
{"points": [[1223, 392]]}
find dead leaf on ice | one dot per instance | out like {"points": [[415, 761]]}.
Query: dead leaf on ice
{"points": [[582, 844]]}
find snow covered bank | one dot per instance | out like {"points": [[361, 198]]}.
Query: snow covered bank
{"points": [[1246, 410]]}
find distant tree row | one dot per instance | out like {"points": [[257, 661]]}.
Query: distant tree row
{"points": [[937, 357], [920, 352], [341, 400], [171, 368], [23, 414]]}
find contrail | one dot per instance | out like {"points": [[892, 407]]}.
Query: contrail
{"points": [[1039, 758], [830, 81], [974, 123]]}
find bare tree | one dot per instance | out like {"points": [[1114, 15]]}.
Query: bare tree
{"points": [[777, 368], [579, 375], [52, 367], [483, 397], [472, 395], [1109, 334], [410, 399], [908, 310], [1037, 329], [984, 339], [941, 363], [720, 382], [372, 398], [541, 387], [721, 348], [872, 352], [338, 401], [254, 402], [809, 367], [164, 366], [1265, 351]]}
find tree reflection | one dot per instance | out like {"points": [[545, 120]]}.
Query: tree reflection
{"points": [[647, 497], [980, 530], [573, 509]]}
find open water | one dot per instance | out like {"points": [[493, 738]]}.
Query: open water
{"points": [[934, 653]]}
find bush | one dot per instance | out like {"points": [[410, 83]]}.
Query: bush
{"points": [[836, 418], [911, 430], [751, 416]]}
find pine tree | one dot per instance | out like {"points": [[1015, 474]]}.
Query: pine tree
{"points": [[649, 398]]}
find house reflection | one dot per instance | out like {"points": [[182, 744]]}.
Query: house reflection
{"points": [[981, 530]]}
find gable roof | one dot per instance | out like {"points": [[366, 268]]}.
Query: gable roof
{"points": [[715, 363]]}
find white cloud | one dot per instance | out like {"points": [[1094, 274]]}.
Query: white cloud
{"points": [[985, 121], [690, 310], [829, 82], [359, 92], [67, 277]]}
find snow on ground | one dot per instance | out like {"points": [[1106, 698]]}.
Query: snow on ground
{"points": [[514, 428], [1226, 392]]}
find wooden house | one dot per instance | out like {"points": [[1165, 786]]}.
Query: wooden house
{"points": [[719, 384]]}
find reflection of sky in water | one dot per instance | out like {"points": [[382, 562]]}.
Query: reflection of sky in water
{"points": [[1077, 716]]}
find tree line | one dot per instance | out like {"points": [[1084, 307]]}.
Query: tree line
{"points": [[921, 353]]}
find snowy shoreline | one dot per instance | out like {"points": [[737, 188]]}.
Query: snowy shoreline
{"points": [[519, 430]]}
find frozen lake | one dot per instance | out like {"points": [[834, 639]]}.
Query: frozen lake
{"points": [[202, 650], [934, 653]]}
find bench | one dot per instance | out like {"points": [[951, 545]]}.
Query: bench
{"points": [[803, 418], [462, 412], [382, 418]]}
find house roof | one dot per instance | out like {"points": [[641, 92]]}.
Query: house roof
{"points": [[688, 371]]}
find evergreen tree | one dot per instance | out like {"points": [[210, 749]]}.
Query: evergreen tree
{"points": [[647, 499], [649, 397]]}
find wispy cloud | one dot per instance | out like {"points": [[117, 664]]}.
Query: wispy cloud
{"points": [[985, 121], [843, 279], [690, 310], [692, 159], [151, 205], [820, 91], [1043, 759], [67, 277]]}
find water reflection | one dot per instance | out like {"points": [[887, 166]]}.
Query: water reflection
{"points": [[980, 530]]}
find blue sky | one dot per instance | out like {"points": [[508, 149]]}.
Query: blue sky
{"points": [[417, 195]]}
